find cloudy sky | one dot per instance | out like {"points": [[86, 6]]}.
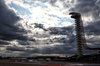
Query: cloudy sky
{"points": [[44, 27]]}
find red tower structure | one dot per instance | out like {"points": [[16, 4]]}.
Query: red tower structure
{"points": [[81, 41]]}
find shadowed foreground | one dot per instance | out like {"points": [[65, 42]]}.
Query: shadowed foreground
{"points": [[46, 63], [17, 64]]}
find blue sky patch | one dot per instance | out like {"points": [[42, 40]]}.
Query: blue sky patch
{"points": [[21, 10], [64, 19]]}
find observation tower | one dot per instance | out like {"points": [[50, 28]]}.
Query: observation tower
{"points": [[81, 41]]}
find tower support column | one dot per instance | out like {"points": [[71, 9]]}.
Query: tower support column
{"points": [[79, 32]]}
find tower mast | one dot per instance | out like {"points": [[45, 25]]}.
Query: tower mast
{"points": [[81, 41], [79, 31]]}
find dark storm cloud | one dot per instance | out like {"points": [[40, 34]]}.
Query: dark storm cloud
{"points": [[69, 39], [23, 42], [41, 26], [12, 36], [93, 28], [90, 8], [58, 49], [69, 43], [52, 2], [87, 8], [69, 47], [2, 42], [68, 3], [25, 54], [61, 30], [8, 24], [14, 48]]}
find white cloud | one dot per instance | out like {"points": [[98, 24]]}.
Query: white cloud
{"points": [[47, 15], [42, 15], [67, 24]]}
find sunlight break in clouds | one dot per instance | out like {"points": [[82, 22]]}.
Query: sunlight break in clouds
{"points": [[38, 17], [41, 12], [31, 27]]}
